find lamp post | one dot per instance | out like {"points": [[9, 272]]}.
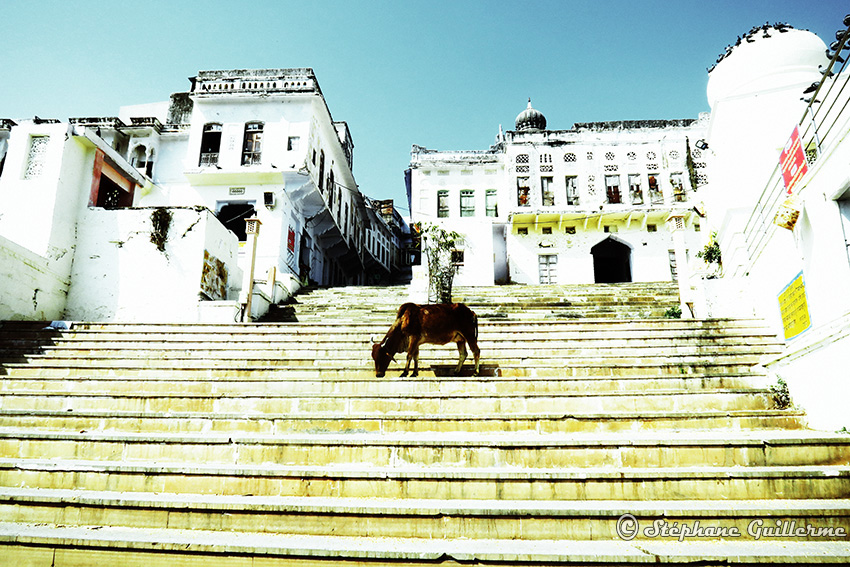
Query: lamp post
{"points": [[252, 229]]}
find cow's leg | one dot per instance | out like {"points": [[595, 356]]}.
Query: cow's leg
{"points": [[476, 352], [412, 355], [407, 365], [461, 355]]}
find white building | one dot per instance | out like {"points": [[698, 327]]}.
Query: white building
{"points": [[112, 212], [589, 204], [797, 277]]}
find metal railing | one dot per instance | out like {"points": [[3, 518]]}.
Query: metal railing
{"points": [[820, 132], [209, 159]]}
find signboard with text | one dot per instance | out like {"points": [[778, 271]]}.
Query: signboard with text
{"points": [[794, 308], [792, 160]]}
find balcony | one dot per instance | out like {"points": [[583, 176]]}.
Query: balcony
{"points": [[208, 159]]}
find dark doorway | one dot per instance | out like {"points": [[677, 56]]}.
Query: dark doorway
{"points": [[233, 217], [612, 262]]}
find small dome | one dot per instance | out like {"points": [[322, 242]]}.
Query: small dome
{"points": [[530, 119]]}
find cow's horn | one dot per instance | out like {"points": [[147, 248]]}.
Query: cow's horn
{"points": [[372, 339]]}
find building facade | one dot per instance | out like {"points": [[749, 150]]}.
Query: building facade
{"points": [[588, 204], [187, 173]]}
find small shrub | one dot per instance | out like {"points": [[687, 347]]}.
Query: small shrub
{"points": [[781, 395], [710, 254], [674, 312], [161, 221]]}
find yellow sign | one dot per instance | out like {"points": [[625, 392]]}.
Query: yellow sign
{"points": [[794, 308]]}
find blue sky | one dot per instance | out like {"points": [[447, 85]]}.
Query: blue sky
{"points": [[440, 74]]}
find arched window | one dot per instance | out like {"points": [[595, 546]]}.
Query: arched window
{"points": [[210, 144], [252, 148], [139, 157]]}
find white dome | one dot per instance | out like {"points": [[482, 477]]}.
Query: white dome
{"points": [[759, 63]]}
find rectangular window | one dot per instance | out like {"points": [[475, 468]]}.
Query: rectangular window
{"points": [[491, 204], [457, 257], [210, 144], [442, 204], [546, 191], [252, 149], [467, 203], [635, 190], [35, 158], [523, 197], [546, 230], [523, 231], [612, 188], [293, 143], [321, 171], [678, 185], [572, 190], [656, 197]]}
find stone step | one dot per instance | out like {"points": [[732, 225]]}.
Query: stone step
{"points": [[194, 422], [442, 367], [719, 325], [359, 336], [664, 331], [352, 385], [583, 520], [722, 448], [381, 404], [646, 345], [26, 543], [351, 355], [560, 482]]}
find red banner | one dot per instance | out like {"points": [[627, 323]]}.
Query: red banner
{"points": [[290, 241], [793, 161]]}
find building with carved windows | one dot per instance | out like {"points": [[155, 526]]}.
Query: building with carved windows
{"points": [[142, 216], [592, 203]]}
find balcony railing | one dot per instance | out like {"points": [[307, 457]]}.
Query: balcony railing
{"points": [[251, 158], [208, 159]]}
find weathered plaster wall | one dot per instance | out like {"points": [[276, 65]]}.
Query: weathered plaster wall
{"points": [[121, 275], [650, 259], [30, 289]]}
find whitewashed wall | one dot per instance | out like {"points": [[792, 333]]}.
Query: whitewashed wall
{"points": [[122, 276], [650, 260], [30, 289]]}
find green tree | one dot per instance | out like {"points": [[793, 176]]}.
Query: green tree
{"points": [[440, 244]]}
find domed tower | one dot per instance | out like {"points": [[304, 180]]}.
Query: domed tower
{"points": [[766, 58], [530, 120]]}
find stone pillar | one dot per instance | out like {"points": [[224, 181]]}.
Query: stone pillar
{"points": [[252, 228]]}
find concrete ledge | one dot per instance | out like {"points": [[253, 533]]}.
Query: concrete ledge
{"points": [[414, 551]]}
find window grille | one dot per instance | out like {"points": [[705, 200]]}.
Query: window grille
{"points": [[35, 158]]}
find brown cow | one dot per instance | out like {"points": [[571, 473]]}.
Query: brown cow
{"points": [[433, 324]]}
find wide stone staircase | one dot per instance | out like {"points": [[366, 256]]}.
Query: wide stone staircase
{"points": [[597, 434]]}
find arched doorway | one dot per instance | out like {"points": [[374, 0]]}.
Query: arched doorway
{"points": [[612, 261], [233, 215]]}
